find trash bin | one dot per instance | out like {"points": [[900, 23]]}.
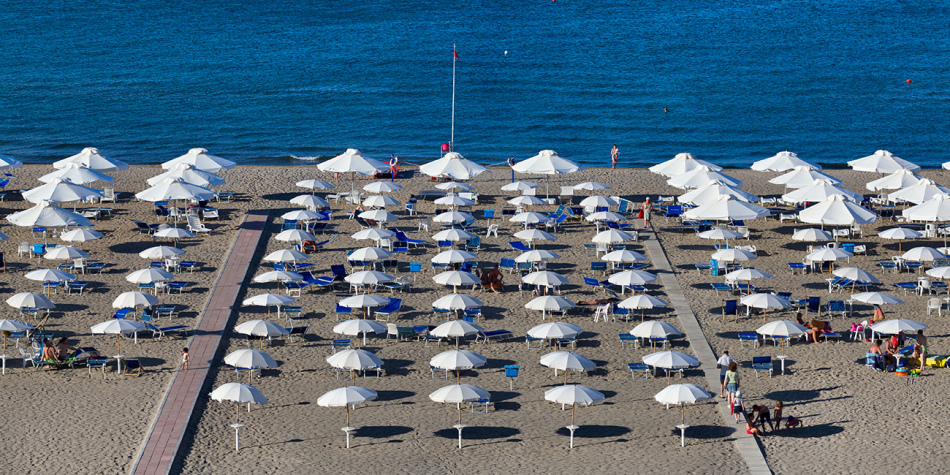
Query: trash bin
{"points": [[715, 266]]}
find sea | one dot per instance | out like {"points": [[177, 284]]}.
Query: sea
{"points": [[295, 82]]}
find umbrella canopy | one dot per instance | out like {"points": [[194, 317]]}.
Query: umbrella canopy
{"points": [[8, 163], [174, 233], [134, 299], [175, 189], [260, 328], [812, 235], [623, 255], [549, 303], [681, 395], [726, 209], [882, 162], [453, 235], [519, 186], [453, 166], [631, 277], [301, 215], [897, 325], [117, 327], [311, 202], [877, 298], [454, 186], [456, 278], [546, 162], [701, 176], [936, 272], [7, 326], [899, 234], [456, 329], [544, 278], [278, 276], [65, 253], [77, 174], [352, 161], [575, 395], [250, 358], [642, 301], [268, 300], [90, 158], [365, 301], [346, 397], [801, 177], [452, 217], [894, 181], [820, 190], [530, 217], [369, 254], [671, 360], [160, 252], [524, 200], [680, 164], [828, 254], [457, 302], [200, 159], [374, 234], [536, 255], [923, 254], [654, 330], [369, 277], [30, 300], [567, 361], [555, 330], [733, 255], [455, 360], [382, 187], [80, 235], [597, 201], [359, 326], [836, 211], [856, 274], [748, 274], [286, 255], [531, 235], [188, 174], [453, 200], [786, 328], [935, 209], [781, 162], [49, 275], [378, 215], [298, 235], [612, 236], [315, 185], [354, 360], [453, 256], [60, 190], [149, 276], [714, 191], [923, 191], [379, 201], [720, 234], [606, 216], [238, 393], [764, 301]]}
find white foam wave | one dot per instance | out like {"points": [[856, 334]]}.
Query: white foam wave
{"points": [[309, 159]]}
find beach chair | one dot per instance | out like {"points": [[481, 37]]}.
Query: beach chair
{"points": [[639, 368], [721, 288], [488, 335], [300, 331], [507, 263], [160, 332], [797, 267], [441, 314], [385, 313], [412, 242], [762, 363], [532, 340], [599, 267], [730, 307], [97, 363], [430, 338], [751, 338], [836, 307], [195, 226], [341, 344], [813, 305], [626, 338], [344, 311], [434, 370], [519, 246]]}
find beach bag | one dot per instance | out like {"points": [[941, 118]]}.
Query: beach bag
{"points": [[640, 214]]}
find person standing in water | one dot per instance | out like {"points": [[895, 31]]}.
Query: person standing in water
{"points": [[614, 155]]}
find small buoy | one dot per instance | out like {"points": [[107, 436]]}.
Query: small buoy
{"points": [[908, 81], [506, 51]]}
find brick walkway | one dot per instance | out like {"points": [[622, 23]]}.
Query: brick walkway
{"points": [[161, 444]]}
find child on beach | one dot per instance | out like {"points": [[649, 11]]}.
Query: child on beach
{"points": [[793, 423], [737, 407], [777, 413], [750, 427], [184, 359]]}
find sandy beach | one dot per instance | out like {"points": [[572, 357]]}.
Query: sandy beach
{"points": [[855, 419]]}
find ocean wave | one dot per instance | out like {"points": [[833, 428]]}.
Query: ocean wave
{"points": [[307, 158]]}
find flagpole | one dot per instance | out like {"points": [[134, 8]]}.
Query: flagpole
{"points": [[452, 139]]}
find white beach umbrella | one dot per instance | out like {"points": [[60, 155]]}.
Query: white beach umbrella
{"points": [[346, 397], [456, 278], [567, 361], [358, 326], [149, 276], [819, 191], [544, 278], [382, 187], [457, 360], [782, 161], [537, 255], [765, 302], [354, 360], [801, 177], [548, 304], [856, 274], [733, 255], [60, 190], [269, 300], [80, 235], [7, 326], [631, 277], [457, 302], [286, 255], [311, 202], [200, 159], [174, 234], [747, 274], [525, 200], [160, 252], [812, 235], [701, 176], [642, 302], [519, 186], [250, 359], [720, 234], [188, 174], [895, 181], [899, 234], [456, 329], [531, 235], [923, 191], [681, 395], [942, 272], [611, 236], [597, 201], [828, 254], [369, 277], [605, 216], [935, 209], [369, 254], [49, 275], [175, 189], [454, 200], [591, 186], [882, 161], [373, 234], [453, 235], [379, 201], [117, 327], [65, 253], [315, 185], [458, 394], [452, 217], [681, 164], [239, 394], [454, 186], [261, 328], [923, 254], [712, 192], [365, 301], [670, 360], [530, 217], [876, 298], [453, 256], [78, 174], [623, 255], [301, 215], [453, 166], [352, 161], [296, 235], [575, 395], [654, 330], [726, 209], [546, 162], [278, 276], [90, 158], [897, 325], [9, 163], [134, 299], [30, 300], [555, 330], [836, 211]]}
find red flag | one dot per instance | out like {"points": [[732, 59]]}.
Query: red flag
{"points": [[455, 53]]}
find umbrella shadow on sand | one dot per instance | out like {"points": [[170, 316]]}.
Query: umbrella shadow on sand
{"points": [[384, 396], [594, 431], [474, 432], [382, 432], [398, 367], [706, 432], [801, 395]]}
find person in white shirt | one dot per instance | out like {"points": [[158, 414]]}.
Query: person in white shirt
{"points": [[723, 365]]}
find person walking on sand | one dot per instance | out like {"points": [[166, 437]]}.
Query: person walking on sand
{"points": [[614, 155], [184, 358], [723, 365], [920, 348], [732, 381], [646, 210]]}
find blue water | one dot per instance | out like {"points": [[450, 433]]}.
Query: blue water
{"points": [[264, 82]]}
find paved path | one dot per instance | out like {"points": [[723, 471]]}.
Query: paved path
{"points": [[748, 447], [161, 444]]}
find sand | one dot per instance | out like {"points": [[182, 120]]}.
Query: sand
{"points": [[847, 408]]}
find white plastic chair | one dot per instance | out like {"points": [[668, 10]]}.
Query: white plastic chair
{"points": [[935, 304], [492, 230]]}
